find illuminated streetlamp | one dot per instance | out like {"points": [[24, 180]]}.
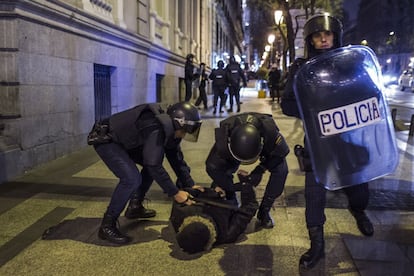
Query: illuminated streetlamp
{"points": [[278, 17], [278, 14], [271, 38]]}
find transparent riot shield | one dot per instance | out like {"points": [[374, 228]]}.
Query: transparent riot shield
{"points": [[349, 131]]}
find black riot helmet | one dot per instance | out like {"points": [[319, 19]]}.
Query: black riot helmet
{"points": [[220, 64], [232, 59], [245, 143], [319, 23], [186, 116]]}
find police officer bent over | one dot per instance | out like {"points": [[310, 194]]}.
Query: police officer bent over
{"points": [[243, 139], [143, 135]]}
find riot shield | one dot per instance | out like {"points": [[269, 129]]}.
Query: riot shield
{"points": [[349, 131]]}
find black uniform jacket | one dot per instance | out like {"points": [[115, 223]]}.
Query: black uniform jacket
{"points": [[147, 134]]}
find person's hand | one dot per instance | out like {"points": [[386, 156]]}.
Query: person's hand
{"points": [[256, 176], [220, 191], [255, 179], [243, 172], [198, 187], [243, 177], [183, 197], [244, 84]]}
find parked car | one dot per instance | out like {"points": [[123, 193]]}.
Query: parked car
{"points": [[406, 80], [390, 79]]}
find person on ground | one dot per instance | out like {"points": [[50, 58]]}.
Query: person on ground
{"points": [[213, 220]]}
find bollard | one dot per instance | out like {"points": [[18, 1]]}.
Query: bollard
{"points": [[411, 132]]}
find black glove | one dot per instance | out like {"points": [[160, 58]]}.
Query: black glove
{"points": [[256, 175]]}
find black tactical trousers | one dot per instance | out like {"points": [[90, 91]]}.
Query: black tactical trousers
{"points": [[315, 196], [234, 92]]}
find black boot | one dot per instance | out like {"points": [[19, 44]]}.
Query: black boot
{"points": [[317, 250], [363, 222], [110, 232], [137, 210], [264, 218]]}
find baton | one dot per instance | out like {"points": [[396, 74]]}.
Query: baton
{"points": [[221, 205]]}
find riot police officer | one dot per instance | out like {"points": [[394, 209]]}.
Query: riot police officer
{"points": [[143, 135], [189, 76], [220, 83], [236, 74], [322, 33], [243, 139]]}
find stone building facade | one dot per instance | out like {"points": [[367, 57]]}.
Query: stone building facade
{"points": [[66, 64]]}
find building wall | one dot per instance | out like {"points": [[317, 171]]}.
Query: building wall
{"points": [[47, 59]]}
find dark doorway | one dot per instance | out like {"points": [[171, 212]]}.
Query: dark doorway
{"points": [[102, 88], [158, 87]]}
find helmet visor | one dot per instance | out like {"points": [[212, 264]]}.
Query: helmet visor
{"points": [[192, 130]]}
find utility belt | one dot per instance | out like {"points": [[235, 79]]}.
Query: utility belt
{"points": [[99, 133]]}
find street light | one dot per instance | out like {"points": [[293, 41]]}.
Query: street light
{"points": [[278, 21], [271, 38], [278, 17]]}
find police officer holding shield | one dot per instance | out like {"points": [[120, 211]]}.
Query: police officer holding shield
{"points": [[322, 33]]}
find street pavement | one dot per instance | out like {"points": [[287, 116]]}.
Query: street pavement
{"points": [[49, 219]]}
